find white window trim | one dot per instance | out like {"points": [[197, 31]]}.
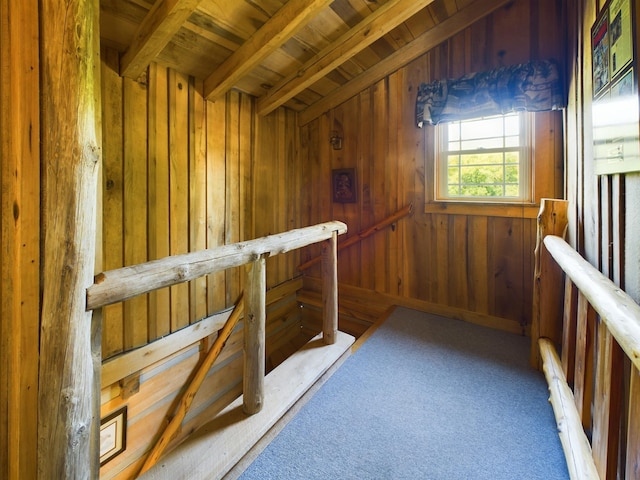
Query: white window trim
{"points": [[526, 164]]}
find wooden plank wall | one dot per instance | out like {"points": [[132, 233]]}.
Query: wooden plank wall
{"points": [[20, 261], [182, 174], [477, 261]]}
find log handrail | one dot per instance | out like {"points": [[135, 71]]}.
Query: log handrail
{"points": [[600, 323], [403, 212], [616, 308], [124, 283]]}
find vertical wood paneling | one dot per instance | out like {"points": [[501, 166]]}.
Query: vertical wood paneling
{"points": [[232, 190], [20, 262], [159, 237], [135, 205], [197, 193], [179, 141], [458, 261], [216, 197], [365, 178], [380, 131], [393, 178], [478, 271], [113, 186], [473, 262], [183, 177]]}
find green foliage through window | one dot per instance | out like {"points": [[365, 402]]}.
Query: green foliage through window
{"points": [[485, 159]]}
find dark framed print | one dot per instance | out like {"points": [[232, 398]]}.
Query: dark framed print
{"points": [[113, 435], [344, 187]]}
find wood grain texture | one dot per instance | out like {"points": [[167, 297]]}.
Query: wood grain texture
{"points": [[20, 260], [71, 158], [477, 258]]}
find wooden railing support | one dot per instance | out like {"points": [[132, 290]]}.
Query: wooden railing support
{"points": [[330, 289], [187, 397], [548, 297], [124, 283], [606, 328], [254, 336]]}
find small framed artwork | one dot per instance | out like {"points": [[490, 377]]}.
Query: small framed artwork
{"points": [[600, 53], [344, 187], [113, 435]]}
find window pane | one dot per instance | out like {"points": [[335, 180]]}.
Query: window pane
{"points": [[478, 143], [483, 158]]}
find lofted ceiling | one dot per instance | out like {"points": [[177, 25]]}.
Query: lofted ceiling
{"points": [[307, 55]]}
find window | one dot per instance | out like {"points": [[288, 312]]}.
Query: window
{"points": [[484, 160]]}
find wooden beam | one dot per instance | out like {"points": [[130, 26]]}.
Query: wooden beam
{"points": [[425, 42], [71, 156], [372, 28], [127, 282], [20, 236], [276, 31], [154, 33]]}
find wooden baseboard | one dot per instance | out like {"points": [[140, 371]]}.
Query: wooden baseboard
{"points": [[365, 304]]}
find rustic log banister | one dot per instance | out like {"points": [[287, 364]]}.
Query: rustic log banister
{"points": [[403, 212], [124, 283], [598, 330], [615, 307]]}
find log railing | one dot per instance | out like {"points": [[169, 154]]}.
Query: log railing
{"points": [[595, 383], [121, 284]]}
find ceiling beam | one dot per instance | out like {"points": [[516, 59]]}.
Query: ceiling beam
{"points": [[422, 44], [293, 15], [372, 28], [154, 33]]}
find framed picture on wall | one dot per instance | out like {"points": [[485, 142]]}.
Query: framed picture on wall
{"points": [[621, 41], [343, 184], [600, 53], [616, 107]]}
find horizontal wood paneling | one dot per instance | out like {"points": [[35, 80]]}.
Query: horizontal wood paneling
{"points": [[479, 261]]}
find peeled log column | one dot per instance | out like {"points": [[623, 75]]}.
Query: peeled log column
{"points": [[330, 289], [70, 81], [254, 336], [548, 294]]}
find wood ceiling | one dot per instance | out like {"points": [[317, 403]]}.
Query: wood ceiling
{"points": [[307, 55]]}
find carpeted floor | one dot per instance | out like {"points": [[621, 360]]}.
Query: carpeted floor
{"points": [[424, 398]]}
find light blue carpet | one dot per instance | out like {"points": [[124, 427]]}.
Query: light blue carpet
{"points": [[424, 398]]}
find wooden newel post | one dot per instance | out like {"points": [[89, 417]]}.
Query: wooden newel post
{"points": [[548, 285], [254, 336], [330, 289]]}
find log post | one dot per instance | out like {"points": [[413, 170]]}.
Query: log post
{"points": [[70, 109], [330, 289], [254, 336], [548, 295]]}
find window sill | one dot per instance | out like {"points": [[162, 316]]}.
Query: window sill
{"points": [[514, 210]]}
